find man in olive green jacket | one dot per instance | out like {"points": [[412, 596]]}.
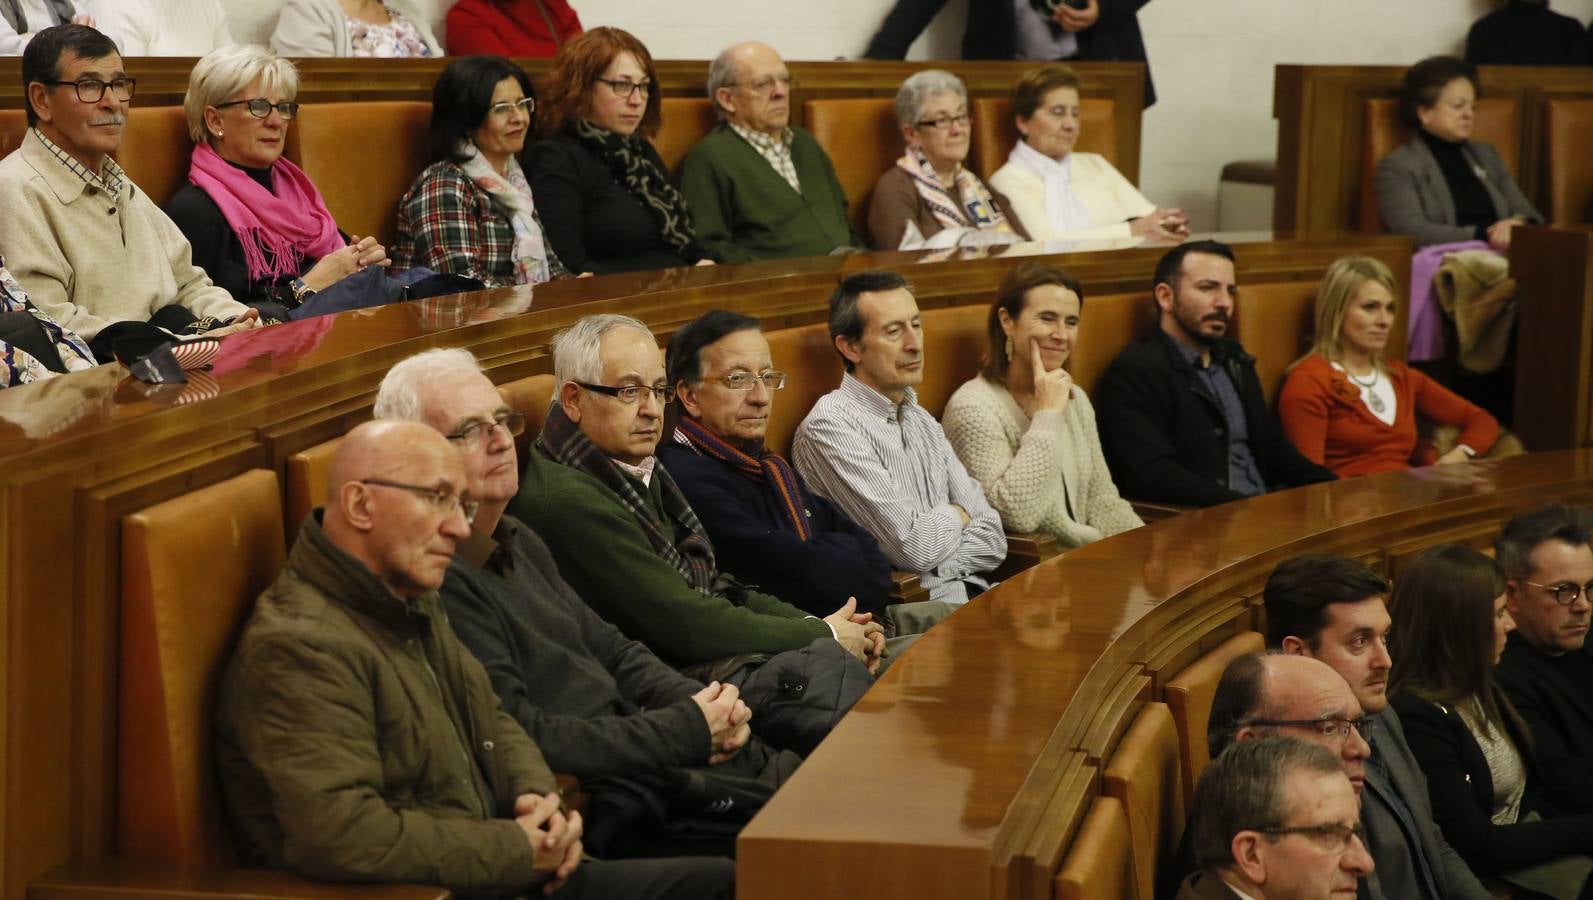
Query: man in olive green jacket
{"points": [[359, 741]]}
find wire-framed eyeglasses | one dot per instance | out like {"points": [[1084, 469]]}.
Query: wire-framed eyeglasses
{"points": [[472, 435], [444, 502], [744, 381]]}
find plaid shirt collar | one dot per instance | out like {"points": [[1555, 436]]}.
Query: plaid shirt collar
{"points": [[775, 150], [109, 180]]}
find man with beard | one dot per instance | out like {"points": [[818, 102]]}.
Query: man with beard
{"points": [[1181, 413]]}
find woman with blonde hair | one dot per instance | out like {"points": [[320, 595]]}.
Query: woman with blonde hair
{"points": [[1348, 407]]}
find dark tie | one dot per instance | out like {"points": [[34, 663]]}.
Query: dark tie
{"points": [[12, 10], [60, 10], [1396, 801]]}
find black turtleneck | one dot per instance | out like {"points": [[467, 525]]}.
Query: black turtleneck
{"points": [[1473, 206]]}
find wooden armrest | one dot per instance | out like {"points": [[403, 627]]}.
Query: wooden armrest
{"points": [[131, 879], [906, 589], [1025, 549], [1155, 512]]}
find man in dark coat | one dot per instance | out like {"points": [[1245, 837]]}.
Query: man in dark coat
{"points": [[1526, 33]]}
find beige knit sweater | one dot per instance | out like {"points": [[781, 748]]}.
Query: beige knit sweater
{"points": [[1048, 474]]}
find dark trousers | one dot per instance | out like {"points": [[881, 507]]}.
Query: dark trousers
{"points": [[680, 878]]}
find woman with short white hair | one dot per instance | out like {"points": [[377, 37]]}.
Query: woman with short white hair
{"points": [[258, 227], [929, 188]]}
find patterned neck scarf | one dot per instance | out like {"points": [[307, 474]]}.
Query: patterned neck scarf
{"points": [[764, 468], [513, 193], [627, 160], [977, 209], [692, 555]]}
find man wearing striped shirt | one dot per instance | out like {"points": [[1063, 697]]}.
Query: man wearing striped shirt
{"points": [[873, 451]]}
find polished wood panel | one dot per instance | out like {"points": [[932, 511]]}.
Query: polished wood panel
{"points": [[1554, 337]]}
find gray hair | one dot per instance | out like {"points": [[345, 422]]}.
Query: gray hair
{"points": [[721, 73], [918, 88], [576, 350], [1551, 522], [1243, 790], [227, 70], [399, 396]]}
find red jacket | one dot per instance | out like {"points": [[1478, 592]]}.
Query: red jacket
{"points": [[1324, 418], [510, 27]]}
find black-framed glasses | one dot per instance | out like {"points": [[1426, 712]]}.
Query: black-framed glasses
{"points": [[472, 435], [503, 108], [1566, 592], [90, 90], [624, 87], [446, 503], [260, 107], [762, 86], [1334, 838], [1332, 727], [631, 393], [743, 381], [942, 123]]}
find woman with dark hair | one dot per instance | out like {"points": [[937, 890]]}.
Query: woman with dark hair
{"points": [[1442, 187], [471, 211], [1450, 623], [605, 193], [1024, 429]]}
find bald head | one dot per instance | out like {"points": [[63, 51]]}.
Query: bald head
{"points": [[751, 85], [1317, 703]]}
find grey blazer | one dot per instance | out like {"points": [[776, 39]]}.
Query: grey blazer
{"points": [[1414, 198], [1397, 876]]}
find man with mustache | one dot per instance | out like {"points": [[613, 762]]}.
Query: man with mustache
{"points": [[1331, 608], [93, 249], [883, 459], [1181, 412]]}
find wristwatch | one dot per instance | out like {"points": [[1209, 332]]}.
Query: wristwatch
{"points": [[300, 290]]}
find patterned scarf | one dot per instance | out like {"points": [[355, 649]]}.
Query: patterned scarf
{"points": [[513, 193], [978, 208], [765, 468], [692, 556], [628, 161]]}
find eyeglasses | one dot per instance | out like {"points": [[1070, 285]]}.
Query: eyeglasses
{"points": [[764, 85], [473, 435], [631, 393], [942, 123], [260, 107], [1332, 838], [1566, 593], [623, 87], [446, 503], [503, 109], [743, 381], [1333, 728], [90, 90]]}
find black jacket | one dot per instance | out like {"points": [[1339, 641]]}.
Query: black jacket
{"points": [[1460, 786], [1115, 37], [1558, 709], [1165, 437], [1526, 34]]}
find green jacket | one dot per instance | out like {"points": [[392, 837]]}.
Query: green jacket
{"points": [[603, 553], [357, 740], [744, 210]]}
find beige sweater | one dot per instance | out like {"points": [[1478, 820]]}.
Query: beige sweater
{"points": [[1048, 474], [89, 259], [1109, 198]]}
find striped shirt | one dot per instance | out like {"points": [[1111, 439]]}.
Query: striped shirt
{"points": [[891, 469], [777, 151]]}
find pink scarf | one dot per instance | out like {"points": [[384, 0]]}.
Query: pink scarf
{"points": [[277, 229]]}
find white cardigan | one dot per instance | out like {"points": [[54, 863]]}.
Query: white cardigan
{"points": [[1110, 199], [1034, 472], [161, 27], [320, 28]]}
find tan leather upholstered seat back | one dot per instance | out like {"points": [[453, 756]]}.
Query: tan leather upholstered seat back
{"points": [[531, 398], [994, 132], [1108, 324], [191, 570], [155, 150], [1280, 317], [685, 121], [1498, 123], [1145, 773], [862, 139], [1099, 865], [13, 125], [1567, 123], [362, 157], [954, 346], [812, 368], [307, 473], [1189, 695]]}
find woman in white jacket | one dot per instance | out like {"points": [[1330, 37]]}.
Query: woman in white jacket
{"points": [[366, 28]]}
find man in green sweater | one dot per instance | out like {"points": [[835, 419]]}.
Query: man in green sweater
{"points": [[630, 545], [759, 187]]}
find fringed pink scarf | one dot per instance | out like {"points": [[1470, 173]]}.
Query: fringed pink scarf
{"points": [[276, 229]]}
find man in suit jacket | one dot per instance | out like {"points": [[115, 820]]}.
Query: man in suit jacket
{"points": [[1547, 666], [1181, 413], [1331, 608], [1526, 33]]}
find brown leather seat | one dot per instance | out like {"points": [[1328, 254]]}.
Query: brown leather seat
{"points": [[155, 150], [13, 125], [994, 132], [530, 397], [1145, 774], [1189, 695], [1099, 864], [1107, 324], [1498, 122], [685, 121], [863, 142], [812, 368], [1566, 124], [362, 198], [308, 471], [954, 345], [1282, 318]]}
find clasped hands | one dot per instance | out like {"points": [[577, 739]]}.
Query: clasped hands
{"points": [[729, 720], [862, 637], [555, 838]]}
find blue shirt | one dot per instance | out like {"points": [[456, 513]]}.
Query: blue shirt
{"points": [[1244, 475]]}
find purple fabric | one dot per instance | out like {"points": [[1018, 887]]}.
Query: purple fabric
{"points": [[1424, 336]]}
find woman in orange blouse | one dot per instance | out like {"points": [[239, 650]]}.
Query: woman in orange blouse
{"points": [[1346, 407]]}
